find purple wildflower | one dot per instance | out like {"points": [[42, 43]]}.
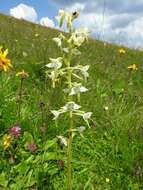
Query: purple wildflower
{"points": [[31, 147], [15, 131]]}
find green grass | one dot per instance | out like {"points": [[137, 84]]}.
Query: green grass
{"points": [[111, 149]]}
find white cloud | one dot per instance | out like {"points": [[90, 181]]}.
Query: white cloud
{"points": [[25, 12], [110, 20], [45, 21], [76, 7]]}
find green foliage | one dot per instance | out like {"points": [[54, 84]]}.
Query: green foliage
{"points": [[110, 154]]}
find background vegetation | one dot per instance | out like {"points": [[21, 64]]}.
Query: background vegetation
{"points": [[110, 155]]}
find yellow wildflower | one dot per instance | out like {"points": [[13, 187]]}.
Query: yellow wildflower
{"points": [[133, 67], [5, 64], [22, 74], [122, 51], [7, 141]]}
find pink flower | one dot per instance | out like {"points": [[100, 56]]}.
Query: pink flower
{"points": [[31, 147], [15, 131]]}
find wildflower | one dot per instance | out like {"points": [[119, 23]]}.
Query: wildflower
{"points": [[122, 51], [58, 41], [24, 54], [7, 141], [107, 180], [56, 114], [77, 89], [70, 106], [81, 129], [84, 71], [31, 147], [61, 16], [22, 74], [87, 115], [62, 140], [106, 108], [36, 35], [55, 63], [15, 131], [133, 67], [5, 64]]}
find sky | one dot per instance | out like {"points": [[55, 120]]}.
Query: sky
{"points": [[113, 21]]}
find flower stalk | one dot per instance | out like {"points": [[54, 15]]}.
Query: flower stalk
{"points": [[22, 75], [73, 74], [20, 98]]}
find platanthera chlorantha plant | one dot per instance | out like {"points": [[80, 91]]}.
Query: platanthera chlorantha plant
{"points": [[74, 74]]}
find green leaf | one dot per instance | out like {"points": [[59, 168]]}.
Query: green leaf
{"points": [[49, 144], [3, 180]]}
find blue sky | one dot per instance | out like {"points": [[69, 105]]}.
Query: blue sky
{"points": [[113, 21], [42, 7]]}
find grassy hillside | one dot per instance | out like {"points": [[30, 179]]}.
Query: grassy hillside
{"points": [[110, 155]]}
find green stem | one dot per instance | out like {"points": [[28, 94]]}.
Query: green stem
{"points": [[69, 149], [69, 155], [20, 98]]}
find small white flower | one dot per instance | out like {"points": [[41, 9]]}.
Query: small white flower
{"points": [[66, 50], [84, 70], [61, 16], [53, 75], [70, 106], [56, 114], [55, 63], [77, 89], [106, 108], [107, 180], [81, 129], [77, 40], [63, 140], [84, 32], [87, 115], [58, 41]]}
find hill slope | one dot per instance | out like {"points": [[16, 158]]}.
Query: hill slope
{"points": [[110, 154]]}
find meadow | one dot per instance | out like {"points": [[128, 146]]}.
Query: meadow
{"points": [[109, 154]]}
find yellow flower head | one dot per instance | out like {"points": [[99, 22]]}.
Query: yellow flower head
{"points": [[122, 51], [5, 64], [7, 139], [133, 67], [22, 74]]}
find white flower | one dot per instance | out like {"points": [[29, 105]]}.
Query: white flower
{"points": [[77, 89], [76, 40], [107, 180], [84, 32], [87, 115], [55, 63], [56, 114], [63, 140], [61, 16], [58, 41], [66, 50], [84, 70], [106, 108], [70, 106], [81, 129]]}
